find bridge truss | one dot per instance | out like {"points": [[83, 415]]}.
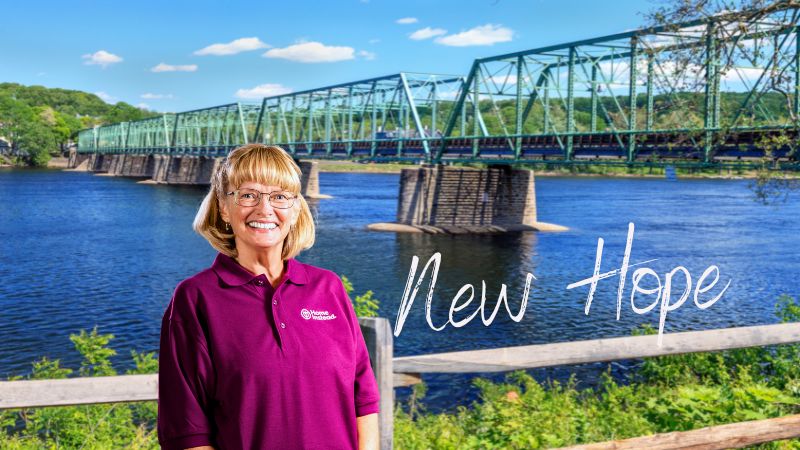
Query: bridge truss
{"points": [[706, 92]]}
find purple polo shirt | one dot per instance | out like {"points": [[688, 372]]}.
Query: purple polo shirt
{"points": [[243, 366]]}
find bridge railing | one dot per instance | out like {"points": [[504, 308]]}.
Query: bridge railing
{"points": [[394, 372]]}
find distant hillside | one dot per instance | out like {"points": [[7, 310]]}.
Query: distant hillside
{"points": [[40, 121]]}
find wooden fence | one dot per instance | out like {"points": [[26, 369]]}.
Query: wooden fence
{"points": [[394, 372]]}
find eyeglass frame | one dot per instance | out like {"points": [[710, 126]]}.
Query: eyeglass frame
{"points": [[261, 194]]}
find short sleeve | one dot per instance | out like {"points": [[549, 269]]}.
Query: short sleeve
{"points": [[367, 397], [185, 375]]}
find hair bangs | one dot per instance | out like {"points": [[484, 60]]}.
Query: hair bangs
{"points": [[269, 166]]}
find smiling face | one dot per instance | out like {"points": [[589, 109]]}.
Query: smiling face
{"points": [[261, 228]]}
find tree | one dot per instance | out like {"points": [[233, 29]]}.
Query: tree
{"points": [[748, 41], [40, 122], [37, 141]]}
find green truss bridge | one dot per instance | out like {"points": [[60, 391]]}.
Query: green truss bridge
{"points": [[710, 92]]}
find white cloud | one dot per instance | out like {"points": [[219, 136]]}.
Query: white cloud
{"points": [[504, 80], [488, 34], [101, 58], [374, 41], [658, 41], [150, 96], [667, 74], [427, 33], [369, 56], [162, 67], [406, 20], [143, 106], [311, 52], [233, 47], [742, 75], [263, 90], [105, 97], [448, 95]]}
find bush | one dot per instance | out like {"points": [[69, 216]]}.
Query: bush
{"points": [[118, 425], [670, 393]]}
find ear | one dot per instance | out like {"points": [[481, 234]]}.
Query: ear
{"points": [[296, 215], [223, 210]]}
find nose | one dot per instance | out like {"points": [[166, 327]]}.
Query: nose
{"points": [[265, 205]]}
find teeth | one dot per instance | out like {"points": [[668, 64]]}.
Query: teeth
{"points": [[267, 226]]}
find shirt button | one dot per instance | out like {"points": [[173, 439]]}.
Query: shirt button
{"points": [[274, 302], [283, 325], [260, 282]]}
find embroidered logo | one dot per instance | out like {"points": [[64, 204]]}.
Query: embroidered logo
{"points": [[309, 314]]}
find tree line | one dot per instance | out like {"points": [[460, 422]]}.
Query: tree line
{"points": [[38, 122]]}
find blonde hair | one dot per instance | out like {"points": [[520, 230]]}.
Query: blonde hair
{"points": [[268, 165]]}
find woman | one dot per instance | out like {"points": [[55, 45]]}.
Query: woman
{"points": [[261, 350]]}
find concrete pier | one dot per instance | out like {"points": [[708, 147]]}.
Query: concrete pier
{"points": [[76, 159], [456, 200], [183, 169], [309, 181], [179, 169], [98, 163], [136, 166]]}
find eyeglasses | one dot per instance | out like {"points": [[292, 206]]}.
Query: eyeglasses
{"points": [[252, 197]]}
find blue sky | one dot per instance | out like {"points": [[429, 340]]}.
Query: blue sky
{"points": [[177, 56]]}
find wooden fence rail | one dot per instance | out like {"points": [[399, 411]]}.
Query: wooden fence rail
{"points": [[720, 437], [403, 371], [598, 350]]}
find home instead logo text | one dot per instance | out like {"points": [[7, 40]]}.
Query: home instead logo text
{"points": [[315, 314]]}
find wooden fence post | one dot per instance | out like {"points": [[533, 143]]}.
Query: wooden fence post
{"points": [[378, 336]]}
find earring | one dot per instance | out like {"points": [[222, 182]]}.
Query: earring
{"points": [[227, 226]]}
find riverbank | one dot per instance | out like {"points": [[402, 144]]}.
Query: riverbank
{"points": [[58, 162], [578, 171], [592, 171], [326, 165]]}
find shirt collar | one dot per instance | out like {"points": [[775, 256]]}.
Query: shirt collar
{"points": [[234, 274]]}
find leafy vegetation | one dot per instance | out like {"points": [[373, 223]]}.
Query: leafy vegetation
{"points": [[677, 110], [670, 393], [119, 425], [364, 304], [39, 122]]}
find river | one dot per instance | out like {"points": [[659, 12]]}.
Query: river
{"points": [[79, 250]]}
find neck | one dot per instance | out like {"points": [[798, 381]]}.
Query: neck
{"points": [[268, 263]]}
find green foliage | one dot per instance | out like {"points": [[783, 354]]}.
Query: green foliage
{"points": [[119, 425], [668, 393], [95, 353], [364, 304], [677, 110], [37, 139], [40, 121], [671, 393]]}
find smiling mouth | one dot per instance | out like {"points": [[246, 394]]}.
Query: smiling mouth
{"points": [[263, 226]]}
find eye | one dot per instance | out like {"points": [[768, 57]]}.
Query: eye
{"points": [[247, 195], [281, 197]]}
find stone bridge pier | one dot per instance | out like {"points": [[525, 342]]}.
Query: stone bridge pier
{"points": [[456, 200], [175, 169]]}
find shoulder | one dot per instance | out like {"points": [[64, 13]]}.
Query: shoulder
{"points": [[197, 282], [314, 275], [189, 294]]}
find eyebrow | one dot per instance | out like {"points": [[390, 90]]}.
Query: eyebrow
{"points": [[272, 190]]}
